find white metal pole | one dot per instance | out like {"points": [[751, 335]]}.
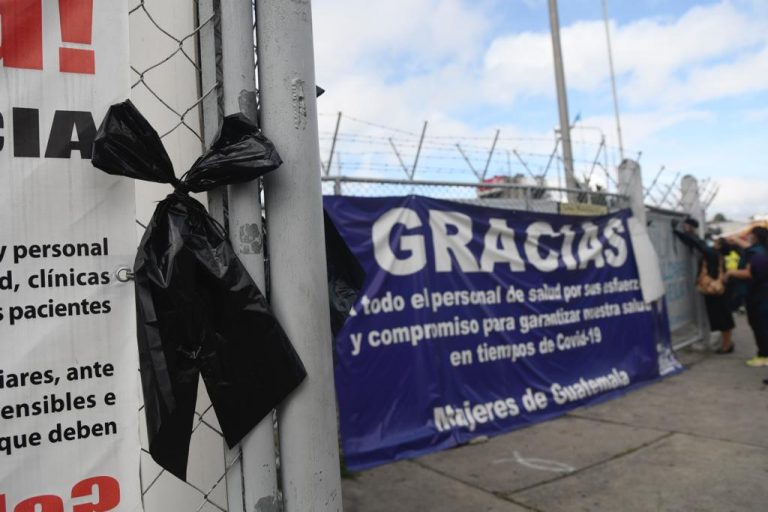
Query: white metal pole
{"points": [[209, 23], [299, 292], [209, 46], [631, 185], [691, 204], [562, 96], [333, 145], [613, 79], [258, 461], [690, 200]]}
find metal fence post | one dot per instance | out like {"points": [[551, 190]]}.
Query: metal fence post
{"points": [[209, 47], [631, 185], [309, 452], [258, 471], [562, 101], [691, 204]]}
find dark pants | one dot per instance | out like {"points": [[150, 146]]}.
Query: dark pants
{"points": [[757, 316]]}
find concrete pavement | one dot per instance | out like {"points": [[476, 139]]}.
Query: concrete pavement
{"points": [[697, 441]]}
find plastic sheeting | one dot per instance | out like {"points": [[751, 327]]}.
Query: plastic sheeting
{"points": [[198, 310], [648, 268], [345, 276]]}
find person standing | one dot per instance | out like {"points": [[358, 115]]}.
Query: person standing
{"points": [[718, 309], [755, 272], [731, 256]]}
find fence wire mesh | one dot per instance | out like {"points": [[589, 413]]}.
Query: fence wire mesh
{"points": [[170, 51], [528, 198], [170, 86], [165, 85]]}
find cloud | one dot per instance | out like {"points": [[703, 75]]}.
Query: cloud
{"points": [[669, 61], [419, 58], [523, 64], [402, 62], [399, 62], [748, 73], [738, 198], [639, 129], [755, 115], [657, 61], [395, 38]]}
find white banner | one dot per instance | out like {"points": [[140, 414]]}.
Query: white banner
{"points": [[68, 363]]}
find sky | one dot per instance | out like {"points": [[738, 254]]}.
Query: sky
{"points": [[692, 81]]}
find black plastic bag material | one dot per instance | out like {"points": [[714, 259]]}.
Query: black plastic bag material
{"points": [[345, 276], [199, 313]]}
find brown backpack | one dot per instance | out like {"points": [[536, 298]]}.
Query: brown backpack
{"points": [[708, 285]]}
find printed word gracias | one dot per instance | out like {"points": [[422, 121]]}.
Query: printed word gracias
{"points": [[400, 247]]}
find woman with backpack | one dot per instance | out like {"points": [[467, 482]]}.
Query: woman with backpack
{"points": [[710, 284]]}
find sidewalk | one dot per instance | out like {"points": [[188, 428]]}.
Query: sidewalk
{"points": [[697, 441]]}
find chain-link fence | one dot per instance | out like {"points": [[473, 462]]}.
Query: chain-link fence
{"points": [[176, 83], [678, 264], [496, 195], [166, 86]]}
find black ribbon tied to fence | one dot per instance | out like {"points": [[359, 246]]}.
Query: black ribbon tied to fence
{"points": [[198, 310]]}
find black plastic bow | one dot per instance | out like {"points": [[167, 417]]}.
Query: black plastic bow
{"points": [[198, 310]]}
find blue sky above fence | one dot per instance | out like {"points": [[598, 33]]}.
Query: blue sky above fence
{"points": [[692, 80]]}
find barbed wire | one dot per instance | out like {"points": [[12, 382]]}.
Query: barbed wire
{"points": [[386, 149], [464, 137]]}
